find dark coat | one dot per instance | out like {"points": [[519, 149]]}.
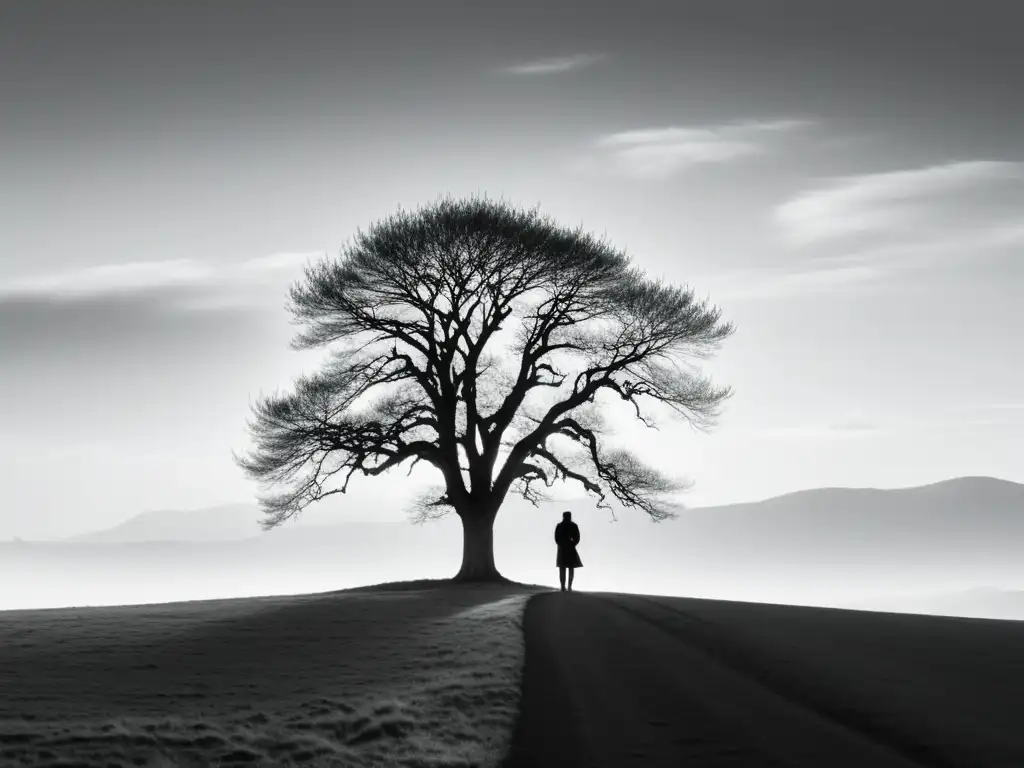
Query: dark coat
{"points": [[567, 536]]}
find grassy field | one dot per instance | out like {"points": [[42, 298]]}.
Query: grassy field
{"points": [[414, 675]]}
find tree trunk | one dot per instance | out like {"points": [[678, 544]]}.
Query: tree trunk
{"points": [[478, 548]]}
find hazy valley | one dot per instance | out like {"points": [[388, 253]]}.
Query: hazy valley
{"points": [[952, 547]]}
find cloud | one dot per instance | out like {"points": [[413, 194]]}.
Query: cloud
{"points": [[858, 425], [889, 202], [940, 245], [807, 277], [108, 279], [279, 261], [1004, 235], [873, 268], [1003, 411], [553, 65], [179, 281], [662, 152], [854, 424], [128, 339], [820, 432]]}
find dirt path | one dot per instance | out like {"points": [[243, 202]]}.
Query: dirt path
{"points": [[619, 680]]}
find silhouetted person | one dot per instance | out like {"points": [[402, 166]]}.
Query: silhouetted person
{"points": [[567, 536]]}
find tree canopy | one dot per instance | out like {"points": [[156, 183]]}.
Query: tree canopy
{"points": [[483, 340]]}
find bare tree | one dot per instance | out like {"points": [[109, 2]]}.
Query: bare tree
{"points": [[482, 340]]}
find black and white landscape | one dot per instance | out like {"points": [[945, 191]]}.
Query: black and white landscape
{"points": [[544, 383]]}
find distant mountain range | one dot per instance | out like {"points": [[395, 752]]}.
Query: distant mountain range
{"points": [[968, 512], [228, 522], [830, 546]]}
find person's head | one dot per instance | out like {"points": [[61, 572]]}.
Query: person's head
{"points": [[567, 516]]}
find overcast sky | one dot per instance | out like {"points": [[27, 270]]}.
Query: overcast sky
{"points": [[846, 180]]}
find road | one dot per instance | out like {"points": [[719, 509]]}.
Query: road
{"points": [[620, 680]]}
